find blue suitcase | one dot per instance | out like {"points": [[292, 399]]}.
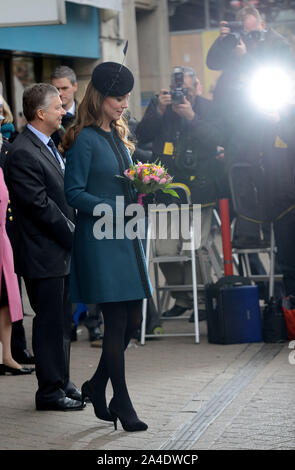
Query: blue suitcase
{"points": [[233, 312]]}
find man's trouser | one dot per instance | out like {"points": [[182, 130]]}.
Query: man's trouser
{"points": [[49, 298]]}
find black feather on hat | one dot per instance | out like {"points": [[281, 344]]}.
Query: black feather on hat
{"points": [[112, 79]]}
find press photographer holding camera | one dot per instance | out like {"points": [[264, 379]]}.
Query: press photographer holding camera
{"points": [[170, 123], [241, 45], [255, 103]]}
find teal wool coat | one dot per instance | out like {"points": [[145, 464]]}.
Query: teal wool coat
{"points": [[102, 270]]}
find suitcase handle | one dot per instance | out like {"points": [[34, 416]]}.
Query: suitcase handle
{"points": [[232, 281]]}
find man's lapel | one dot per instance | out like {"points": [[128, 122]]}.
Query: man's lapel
{"points": [[43, 149]]}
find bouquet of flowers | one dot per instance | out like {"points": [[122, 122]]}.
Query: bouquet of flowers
{"points": [[149, 178]]}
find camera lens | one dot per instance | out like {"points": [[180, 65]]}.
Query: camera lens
{"points": [[253, 36]]}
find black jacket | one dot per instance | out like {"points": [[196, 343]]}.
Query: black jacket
{"points": [[199, 172], [6, 146], [43, 234], [4, 152], [252, 137], [269, 147]]}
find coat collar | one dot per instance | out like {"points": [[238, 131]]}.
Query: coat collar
{"points": [[43, 149]]}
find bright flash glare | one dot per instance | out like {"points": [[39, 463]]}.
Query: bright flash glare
{"points": [[271, 88]]}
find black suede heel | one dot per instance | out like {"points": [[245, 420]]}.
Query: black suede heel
{"points": [[130, 426], [101, 412]]}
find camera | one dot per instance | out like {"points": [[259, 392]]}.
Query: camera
{"points": [[254, 36], [236, 31], [187, 153], [235, 26], [177, 90]]}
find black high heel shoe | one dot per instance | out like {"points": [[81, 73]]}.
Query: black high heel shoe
{"points": [[132, 425], [101, 412], [14, 371]]}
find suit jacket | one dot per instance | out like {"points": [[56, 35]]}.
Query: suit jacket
{"points": [[43, 236], [6, 146]]}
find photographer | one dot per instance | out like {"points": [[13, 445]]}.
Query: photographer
{"points": [[242, 45], [258, 132], [170, 123]]}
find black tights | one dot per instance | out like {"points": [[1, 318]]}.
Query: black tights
{"points": [[121, 321]]}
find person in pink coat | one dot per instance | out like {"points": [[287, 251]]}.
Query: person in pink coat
{"points": [[10, 300]]}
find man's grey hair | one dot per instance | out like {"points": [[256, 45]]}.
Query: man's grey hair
{"points": [[63, 71], [247, 11], [37, 96], [188, 71]]}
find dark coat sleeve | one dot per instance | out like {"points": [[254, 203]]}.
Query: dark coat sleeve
{"points": [[25, 177], [274, 47], [220, 55], [150, 124], [207, 125]]}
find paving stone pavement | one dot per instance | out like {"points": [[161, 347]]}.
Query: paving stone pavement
{"points": [[171, 381]]}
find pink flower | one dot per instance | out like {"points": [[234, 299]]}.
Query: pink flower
{"points": [[160, 171], [163, 181], [155, 178], [129, 173], [147, 179]]}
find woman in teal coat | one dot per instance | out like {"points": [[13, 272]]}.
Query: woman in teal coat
{"points": [[107, 268]]}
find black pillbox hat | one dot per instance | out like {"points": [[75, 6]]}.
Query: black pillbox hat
{"points": [[112, 79]]}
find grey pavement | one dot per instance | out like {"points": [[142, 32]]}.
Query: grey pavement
{"points": [[193, 396]]}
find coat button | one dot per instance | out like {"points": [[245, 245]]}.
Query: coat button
{"points": [[9, 210], [11, 218]]}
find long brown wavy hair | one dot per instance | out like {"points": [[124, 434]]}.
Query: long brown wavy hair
{"points": [[90, 114]]}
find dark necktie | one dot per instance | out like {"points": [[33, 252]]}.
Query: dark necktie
{"points": [[51, 144]]}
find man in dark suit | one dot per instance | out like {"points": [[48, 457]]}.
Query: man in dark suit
{"points": [[65, 81], [42, 243], [19, 350]]}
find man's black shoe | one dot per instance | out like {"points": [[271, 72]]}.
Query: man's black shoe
{"points": [[202, 316], [61, 404], [24, 357], [74, 393], [175, 311]]}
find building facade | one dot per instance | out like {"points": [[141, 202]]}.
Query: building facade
{"points": [[84, 34]]}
